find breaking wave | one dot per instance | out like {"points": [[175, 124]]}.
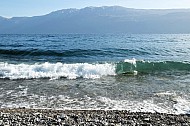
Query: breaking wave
{"points": [[55, 71], [87, 70]]}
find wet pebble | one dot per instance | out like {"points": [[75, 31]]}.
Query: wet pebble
{"points": [[89, 117]]}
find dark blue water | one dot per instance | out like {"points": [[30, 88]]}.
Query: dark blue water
{"points": [[94, 48], [138, 72]]}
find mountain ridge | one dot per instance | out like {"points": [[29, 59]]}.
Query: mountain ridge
{"points": [[105, 19]]}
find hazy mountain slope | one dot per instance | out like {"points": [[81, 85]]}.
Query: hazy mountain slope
{"points": [[112, 19]]}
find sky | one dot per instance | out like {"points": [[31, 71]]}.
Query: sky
{"points": [[20, 8]]}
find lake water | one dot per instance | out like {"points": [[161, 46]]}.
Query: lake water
{"points": [[138, 72]]}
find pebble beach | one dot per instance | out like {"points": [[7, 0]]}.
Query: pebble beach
{"points": [[49, 117]]}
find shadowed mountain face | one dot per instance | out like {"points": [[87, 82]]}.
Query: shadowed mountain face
{"points": [[112, 19]]}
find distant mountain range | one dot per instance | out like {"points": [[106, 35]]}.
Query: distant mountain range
{"points": [[107, 19]]}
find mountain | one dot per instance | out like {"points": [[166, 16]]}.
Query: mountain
{"points": [[106, 19]]}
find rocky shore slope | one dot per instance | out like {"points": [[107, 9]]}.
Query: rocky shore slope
{"points": [[39, 117]]}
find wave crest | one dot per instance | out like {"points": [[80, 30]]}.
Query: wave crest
{"points": [[133, 66], [55, 71], [87, 70]]}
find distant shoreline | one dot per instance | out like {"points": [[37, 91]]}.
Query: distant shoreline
{"points": [[24, 116]]}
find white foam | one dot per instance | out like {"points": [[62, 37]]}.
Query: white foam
{"points": [[167, 93], [179, 105], [99, 103], [56, 70], [182, 106], [133, 106], [131, 61]]}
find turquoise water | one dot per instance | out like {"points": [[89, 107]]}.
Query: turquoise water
{"points": [[147, 72]]}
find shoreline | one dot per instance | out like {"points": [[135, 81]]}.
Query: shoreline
{"points": [[23, 116]]}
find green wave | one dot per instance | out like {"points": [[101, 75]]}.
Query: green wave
{"points": [[151, 67]]}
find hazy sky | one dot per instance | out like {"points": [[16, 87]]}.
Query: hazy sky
{"points": [[10, 8]]}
